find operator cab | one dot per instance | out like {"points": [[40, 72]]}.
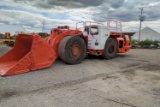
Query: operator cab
{"points": [[97, 36]]}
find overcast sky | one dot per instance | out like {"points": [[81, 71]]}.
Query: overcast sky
{"points": [[31, 13]]}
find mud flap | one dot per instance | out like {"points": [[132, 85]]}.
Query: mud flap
{"points": [[30, 52]]}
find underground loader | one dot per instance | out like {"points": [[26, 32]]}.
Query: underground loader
{"points": [[31, 52]]}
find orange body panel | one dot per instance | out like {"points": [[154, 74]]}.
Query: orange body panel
{"points": [[95, 52], [124, 44]]}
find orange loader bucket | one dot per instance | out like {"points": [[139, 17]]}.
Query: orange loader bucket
{"points": [[30, 52]]}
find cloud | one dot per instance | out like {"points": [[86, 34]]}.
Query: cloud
{"points": [[127, 10], [115, 3], [64, 3], [31, 13], [30, 21]]}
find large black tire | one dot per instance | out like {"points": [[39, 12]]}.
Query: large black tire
{"points": [[111, 48], [72, 50]]}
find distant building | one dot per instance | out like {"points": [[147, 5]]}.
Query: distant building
{"points": [[147, 33], [10, 28]]}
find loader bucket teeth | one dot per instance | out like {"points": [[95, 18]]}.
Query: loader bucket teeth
{"points": [[30, 52]]}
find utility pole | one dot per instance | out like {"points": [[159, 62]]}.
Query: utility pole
{"points": [[43, 23], [141, 18]]}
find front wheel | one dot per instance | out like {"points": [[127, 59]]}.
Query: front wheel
{"points": [[72, 50], [111, 48]]}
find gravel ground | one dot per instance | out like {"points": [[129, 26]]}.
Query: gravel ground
{"points": [[129, 80]]}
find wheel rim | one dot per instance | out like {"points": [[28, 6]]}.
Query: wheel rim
{"points": [[76, 50], [111, 49]]}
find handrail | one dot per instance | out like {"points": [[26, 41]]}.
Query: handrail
{"points": [[117, 27], [85, 23]]}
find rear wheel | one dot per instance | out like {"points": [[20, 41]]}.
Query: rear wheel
{"points": [[72, 50], [110, 49]]}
